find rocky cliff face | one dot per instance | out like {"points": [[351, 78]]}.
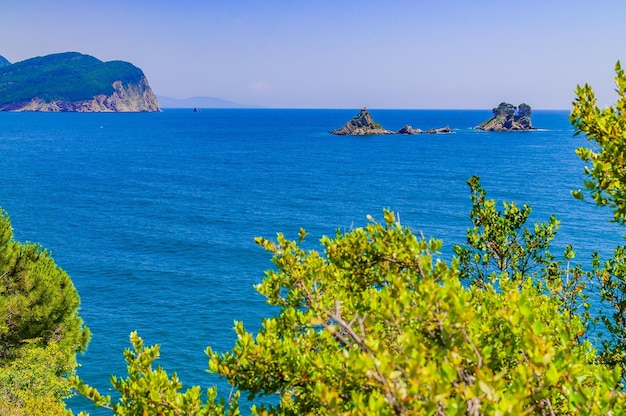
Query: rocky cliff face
{"points": [[505, 119], [125, 98]]}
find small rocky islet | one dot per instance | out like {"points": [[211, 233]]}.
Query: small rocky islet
{"points": [[363, 124], [504, 119]]}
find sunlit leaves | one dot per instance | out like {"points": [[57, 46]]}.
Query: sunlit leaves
{"points": [[375, 325], [498, 244], [606, 182], [150, 391], [606, 129]]}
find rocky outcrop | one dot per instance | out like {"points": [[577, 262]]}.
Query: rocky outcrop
{"points": [[441, 130], [409, 130], [363, 124], [125, 98], [505, 119]]}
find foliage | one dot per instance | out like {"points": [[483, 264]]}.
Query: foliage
{"points": [[36, 371], [32, 406], [524, 110], [498, 244], [611, 276], [375, 325], [38, 300], [40, 330], [34, 382], [606, 128], [505, 109], [606, 181], [66, 76], [149, 391]]}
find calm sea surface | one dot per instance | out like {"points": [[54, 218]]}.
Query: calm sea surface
{"points": [[154, 215]]}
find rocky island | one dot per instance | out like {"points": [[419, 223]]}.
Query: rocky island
{"points": [[363, 125], [72, 81], [505, 119]]}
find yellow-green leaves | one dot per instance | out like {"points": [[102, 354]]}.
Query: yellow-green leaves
{"points": [[606, 129], [606, 182], [150, 391], [498, 244], [375, 325]]}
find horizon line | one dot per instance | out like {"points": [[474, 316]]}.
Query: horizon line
{"points": [[243, 107]]}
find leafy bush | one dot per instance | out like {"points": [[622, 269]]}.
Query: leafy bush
{"points": [[374, 325]]}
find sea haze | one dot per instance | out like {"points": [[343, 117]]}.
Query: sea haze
{"points": [[153, 215], [196, 102]]}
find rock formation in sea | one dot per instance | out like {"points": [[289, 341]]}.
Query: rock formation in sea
{"points": [[409, 130], [440, 130], [363, 124], [74, 82], [505, 119]]}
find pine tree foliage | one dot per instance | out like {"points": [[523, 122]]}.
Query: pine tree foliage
{"points": [[40, 329]]}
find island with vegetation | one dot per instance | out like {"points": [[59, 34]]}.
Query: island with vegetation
{"points": [[363, 124], [72, 81], [505, 119]]}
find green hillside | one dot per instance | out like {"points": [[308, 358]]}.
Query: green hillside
{"points": [[69, 76], [4, 61]]}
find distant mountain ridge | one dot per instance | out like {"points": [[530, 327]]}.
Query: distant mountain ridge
{"points": [[4, 61], [72, 81], [197, 102]]}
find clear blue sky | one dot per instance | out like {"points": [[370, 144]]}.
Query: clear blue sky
{"points": [[339, 54]]}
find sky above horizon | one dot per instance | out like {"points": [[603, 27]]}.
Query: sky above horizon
{"points": [[446, 54]]}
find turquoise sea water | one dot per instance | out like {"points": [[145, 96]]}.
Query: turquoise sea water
{"points": [[154, 215]]}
